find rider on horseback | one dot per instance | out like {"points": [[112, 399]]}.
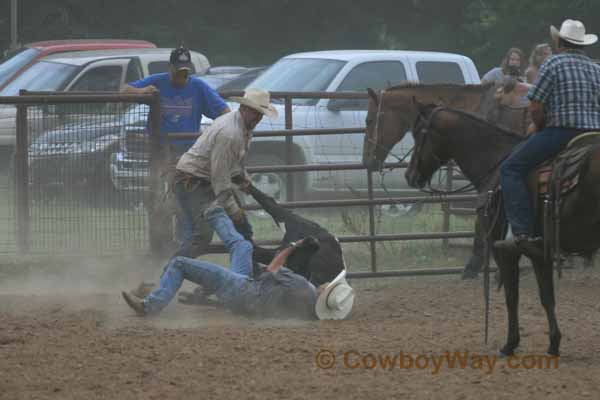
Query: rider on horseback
{"points": [[565, 102]]}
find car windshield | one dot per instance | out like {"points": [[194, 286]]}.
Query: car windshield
{"points": [[299, 75], [9, 67], [40, 77]]}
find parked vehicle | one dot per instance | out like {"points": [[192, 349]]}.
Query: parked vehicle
{"points": [[341, 71], [18, 61], [81, 71], [331, 71]]}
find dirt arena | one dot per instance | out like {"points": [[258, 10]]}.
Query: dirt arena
{"points": [[62, 341]]}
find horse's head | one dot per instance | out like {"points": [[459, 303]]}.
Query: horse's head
{"points": [[430, 151], [384, 129]]}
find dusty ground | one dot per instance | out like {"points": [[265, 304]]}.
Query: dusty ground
{"points": [[81, 342]]}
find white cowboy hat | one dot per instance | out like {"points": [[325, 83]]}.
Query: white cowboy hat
{"points": [[258, 99], [336, 300], [573, 32]]}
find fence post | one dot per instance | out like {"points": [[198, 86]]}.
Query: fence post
{"points": [[154, 224], [372, 222], [446, 205], [22, 181], [289, 140]]}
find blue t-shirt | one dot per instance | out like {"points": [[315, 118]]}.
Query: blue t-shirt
{"points": [[182, 108]]}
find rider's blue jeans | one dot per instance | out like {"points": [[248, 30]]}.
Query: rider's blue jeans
{"points": [[538, 148], [228, 285]]}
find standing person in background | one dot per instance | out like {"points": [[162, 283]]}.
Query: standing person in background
{"points": [[184, 100], [539, 54], [513, 65]]}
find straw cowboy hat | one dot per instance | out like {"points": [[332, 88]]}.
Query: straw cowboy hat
{"points": [[336, 300], [259, 100], [573, 32]]}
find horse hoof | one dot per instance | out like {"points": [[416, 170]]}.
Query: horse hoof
{"points": [[469, 274], [554, 352], [506, 351]]}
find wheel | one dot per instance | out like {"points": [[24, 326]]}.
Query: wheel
{"points": [[273, 184], [400, 210]]}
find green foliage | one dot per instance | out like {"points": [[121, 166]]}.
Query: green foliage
{"points": [[259, 32]]}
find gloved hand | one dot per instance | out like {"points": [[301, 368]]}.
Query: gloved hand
{"points": [[242, 225]]}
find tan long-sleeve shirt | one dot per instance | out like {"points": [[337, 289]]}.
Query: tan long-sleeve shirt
{"points": [[218, 155]]}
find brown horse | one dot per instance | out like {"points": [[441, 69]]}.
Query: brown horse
{"points": [[478, 147], [392, 113]]}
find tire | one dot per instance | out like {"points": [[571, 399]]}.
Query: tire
{"points": [[272, 183]]}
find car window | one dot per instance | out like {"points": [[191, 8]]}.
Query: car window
{"points": [[41, 76], [299, 75], [134, 71], [375, 75], [9, 67], [100, 79], [242, 81], [432, 72], [158, 67]]}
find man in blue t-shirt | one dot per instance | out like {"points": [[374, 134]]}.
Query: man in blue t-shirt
{"points": [[183, 102], [183, 99]]}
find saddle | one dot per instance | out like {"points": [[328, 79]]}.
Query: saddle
{"points": [[566, 166], [550, 182]]}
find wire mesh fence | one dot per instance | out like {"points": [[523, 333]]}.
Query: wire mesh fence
{"points": [[61, 193]]}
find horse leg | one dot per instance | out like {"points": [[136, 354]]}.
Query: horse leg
{"points": [[545, 279], [508, 265], [588, 260], [475, 263]]}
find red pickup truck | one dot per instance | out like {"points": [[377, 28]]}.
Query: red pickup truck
{"points": [[21, 59]]}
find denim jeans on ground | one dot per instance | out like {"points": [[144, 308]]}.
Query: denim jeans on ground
{"points": [[229, 285], [538, 148]]}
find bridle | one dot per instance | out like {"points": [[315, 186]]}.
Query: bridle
{"points": [[427, 130], [379, 117]]}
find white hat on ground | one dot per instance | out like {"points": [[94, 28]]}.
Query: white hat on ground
{"points": [[336, 300]]}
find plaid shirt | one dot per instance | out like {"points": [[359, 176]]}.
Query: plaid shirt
{"points": [[568, 85]]}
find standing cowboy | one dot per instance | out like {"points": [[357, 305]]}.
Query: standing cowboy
{"points": [[204, 173], [565, 102]]}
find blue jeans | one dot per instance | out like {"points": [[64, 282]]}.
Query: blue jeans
{"points": [[229, 285], [196, 233], [539, 147]]}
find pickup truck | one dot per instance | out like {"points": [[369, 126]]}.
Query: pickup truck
{"points": [[329, 71]]}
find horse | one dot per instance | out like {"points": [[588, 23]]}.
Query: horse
{"points": [[392, 113], [478, 147]]}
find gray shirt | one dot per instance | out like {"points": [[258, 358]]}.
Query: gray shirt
{"points": [[283, 294], [218, 155]]}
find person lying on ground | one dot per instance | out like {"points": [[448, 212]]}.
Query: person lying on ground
{"points": [[276, 293]]}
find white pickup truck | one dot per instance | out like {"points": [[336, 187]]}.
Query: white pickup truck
{"points": [[340, 71], [330, 71]]}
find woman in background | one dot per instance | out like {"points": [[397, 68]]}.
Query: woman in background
{"points": [[539, 54], [513, 65]]}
